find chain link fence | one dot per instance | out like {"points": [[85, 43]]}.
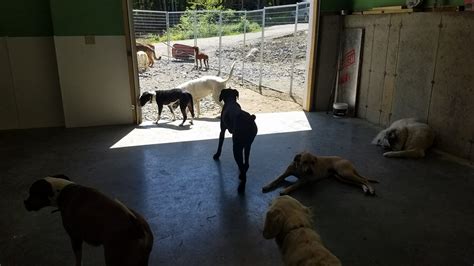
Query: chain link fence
{"points": [[269, 44]]}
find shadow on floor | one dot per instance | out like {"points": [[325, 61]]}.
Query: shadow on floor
{"points": [[422, 215]]}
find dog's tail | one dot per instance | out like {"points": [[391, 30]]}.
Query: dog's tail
{"points": [[154, 55], [230, 73]]}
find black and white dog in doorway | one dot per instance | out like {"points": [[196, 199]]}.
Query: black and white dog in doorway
{"points": [[169, 97]]}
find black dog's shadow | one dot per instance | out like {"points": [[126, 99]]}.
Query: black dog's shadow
{"points": [[209, 119], [166, 124]]}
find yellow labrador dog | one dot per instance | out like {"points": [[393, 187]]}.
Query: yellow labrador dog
{"points": [[290, 223], [309, 168], [406, 138]]}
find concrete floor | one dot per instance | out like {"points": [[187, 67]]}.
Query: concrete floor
{"points": [[423, 214]]}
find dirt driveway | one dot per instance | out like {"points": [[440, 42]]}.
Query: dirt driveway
{"points": [[250, 99]]}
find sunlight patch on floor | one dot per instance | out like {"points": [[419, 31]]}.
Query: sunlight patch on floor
{"points": [[149, 133]]}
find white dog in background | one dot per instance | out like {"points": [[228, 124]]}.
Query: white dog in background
{"points": [[290, 223], [206, 85], [406, 137], [142, 61]]}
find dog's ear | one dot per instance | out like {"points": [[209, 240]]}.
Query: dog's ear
{"points": [[273, 223], [236, 93], [221, 95], [297, 157], [61, 176]]}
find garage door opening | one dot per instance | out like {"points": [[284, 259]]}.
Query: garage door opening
{"points": [[269, 48]]}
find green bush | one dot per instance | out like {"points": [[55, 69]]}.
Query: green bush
{"points": [[207, 26]]}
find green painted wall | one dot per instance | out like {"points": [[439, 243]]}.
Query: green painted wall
{"points": [[367, 4], [358, 5], [87, 17], [22, 18], [336, 5]]}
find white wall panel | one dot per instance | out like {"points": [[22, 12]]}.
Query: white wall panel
{"points": [[35, 78], [8, 112], [94, 80]]}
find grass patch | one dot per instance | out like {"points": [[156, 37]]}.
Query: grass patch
{"points": [[207, 26]]}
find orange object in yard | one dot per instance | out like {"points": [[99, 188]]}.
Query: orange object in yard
{"points": [[469, 5], [181, 51]]}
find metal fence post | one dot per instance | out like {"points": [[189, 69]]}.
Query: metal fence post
{"points": [[243, 48], [293, 51], [261, 51], [195, 25], [220, 41], [168, 33]]}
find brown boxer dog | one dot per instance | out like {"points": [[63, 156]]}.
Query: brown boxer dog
{"points": [[92, 217]]}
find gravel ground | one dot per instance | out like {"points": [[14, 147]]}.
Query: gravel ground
{"points": [[167, 74]]}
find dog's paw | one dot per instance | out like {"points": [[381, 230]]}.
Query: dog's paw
{"points": [[266, 189], [181, 125], [191, 123], [216, 157], [241, 188], [368, 190]]}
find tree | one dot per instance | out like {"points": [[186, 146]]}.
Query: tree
{"points": [[181, 5]]}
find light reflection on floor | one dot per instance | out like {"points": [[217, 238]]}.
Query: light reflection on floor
{"points": [[149, 133]]}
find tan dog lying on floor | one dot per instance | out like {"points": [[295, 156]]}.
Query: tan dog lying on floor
{"points": [[309, 168], [290, 223], [92, 217]]}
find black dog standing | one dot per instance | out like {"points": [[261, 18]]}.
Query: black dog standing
{"points": [[168, 97], [243, 129]]}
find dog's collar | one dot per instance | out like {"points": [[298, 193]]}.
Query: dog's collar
{"points": [[288, 232], [296, 228], [57, 184]]}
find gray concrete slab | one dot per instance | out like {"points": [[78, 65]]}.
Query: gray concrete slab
{"points": [[390, 69], [422, 215], [393, 44], [418, 45], [387, 99], [328, 54], [452, 105], [377, 69]]}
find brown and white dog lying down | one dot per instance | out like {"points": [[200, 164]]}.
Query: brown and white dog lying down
{"points": [[309, 168], [92, 217], [290, 223]]}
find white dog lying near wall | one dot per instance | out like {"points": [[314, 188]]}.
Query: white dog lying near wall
{"points": [[142, 61], [205, 85], [405, 138], [290, 223]]}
